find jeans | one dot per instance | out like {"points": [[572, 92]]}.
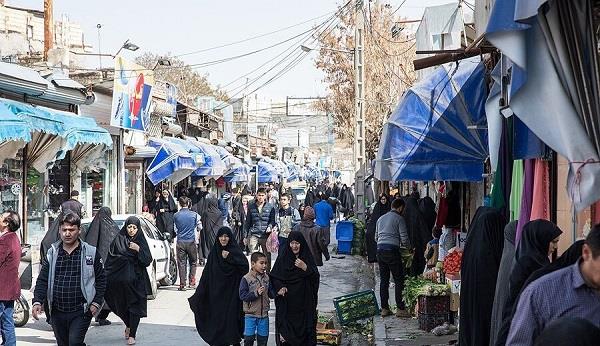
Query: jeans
{"points": [[390, 261], [187, 253], [283, 242], [256, 244], [70, 327], [7, 323], [256, 325]]}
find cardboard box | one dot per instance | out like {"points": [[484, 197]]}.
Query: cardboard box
{"points": [[454, 302], [454, 285]]}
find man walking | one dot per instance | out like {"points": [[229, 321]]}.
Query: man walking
{"points": [[187, 227], [260, 221], [324, 215], [73, 204], [391, 236], [72, 280], [287, 219], [10, 287]]}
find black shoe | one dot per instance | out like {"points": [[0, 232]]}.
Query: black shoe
{"points": [[103, 322]]}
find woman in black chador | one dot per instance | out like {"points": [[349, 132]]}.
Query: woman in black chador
{"points": [[165, 210], [295, 278], [216, 303], [127, 279]]}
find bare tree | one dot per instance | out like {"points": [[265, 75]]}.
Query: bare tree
{"points": [[190, 83], [388, 70]]}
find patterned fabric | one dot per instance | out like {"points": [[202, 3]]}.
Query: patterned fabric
{"points": [[538, 305], [67, 295]]}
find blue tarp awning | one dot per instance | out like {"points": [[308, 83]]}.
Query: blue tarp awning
{"points": [[74, 131], [267, 173], [240, 173], [171, 162], [13, 128], [294, 171], [196, 153], [213, 166], [438, 131]]}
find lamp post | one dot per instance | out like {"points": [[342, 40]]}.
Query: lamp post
{"points": [[127, 45]]}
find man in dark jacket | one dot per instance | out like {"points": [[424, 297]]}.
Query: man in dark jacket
{"points": [[72, 280], [73, 204], [10, 287], [260, 221]]}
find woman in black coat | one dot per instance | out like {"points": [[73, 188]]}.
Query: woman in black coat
{"points": [[295, 278], [216, 303], [165, 210], [381, 207], [479, 272], [128, 283], [539, 239]]}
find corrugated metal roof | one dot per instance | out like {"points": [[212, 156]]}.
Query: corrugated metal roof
{"points": [[22, 73]]}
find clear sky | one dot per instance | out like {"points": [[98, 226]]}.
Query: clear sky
{"points": [[184, 26]]}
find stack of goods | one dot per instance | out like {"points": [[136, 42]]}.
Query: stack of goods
{"points": [[452, 261], [433, 306], [358, 241], [326, 334]]}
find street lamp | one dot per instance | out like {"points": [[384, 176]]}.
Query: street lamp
{"points": [[162, 62], [309, 49], [129, 46]]}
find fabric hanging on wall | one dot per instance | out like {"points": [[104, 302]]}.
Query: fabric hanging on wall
{"points": [[526, 198], [540, 208], [516, 191]]}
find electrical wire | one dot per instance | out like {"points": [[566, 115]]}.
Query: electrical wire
{"points": [[253, 37]]}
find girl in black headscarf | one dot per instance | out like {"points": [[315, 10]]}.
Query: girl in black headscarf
{"points": [[166, 208], [568, 258], [508, 254], [100, 233], [427, 209], [128, 283], [479, 271], [538, 241], [295, 278], [418, 233], [381, 207], [216, 303]]}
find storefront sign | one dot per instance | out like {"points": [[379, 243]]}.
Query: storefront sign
{"points": [[132, 96]]}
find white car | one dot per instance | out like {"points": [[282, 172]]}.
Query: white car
{"points": [[163, 270]]}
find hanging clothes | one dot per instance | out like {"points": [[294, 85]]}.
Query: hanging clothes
{"points": [[508, 254], [526, 198], [216, 303], [516, 191], [540, 205], [442, 212], [378, 210], [479, 272], [296, 311], [531, 255]]}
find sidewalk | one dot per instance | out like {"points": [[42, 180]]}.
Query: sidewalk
{"points": [[403, 331]]}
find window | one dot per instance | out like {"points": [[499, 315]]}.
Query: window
{"points": [[30, 32], [441, 41], [262, 130]]}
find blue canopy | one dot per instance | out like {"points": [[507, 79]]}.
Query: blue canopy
{"points": [[267, 173], [13, 128], [437, 132], [171, 162], [294, 171], [196, 153], [213, 165], [238, 174]]}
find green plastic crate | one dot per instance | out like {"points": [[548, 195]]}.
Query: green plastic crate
{"points": [[356, 306]]}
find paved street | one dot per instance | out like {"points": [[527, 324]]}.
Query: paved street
{"points": [[171, 322]]}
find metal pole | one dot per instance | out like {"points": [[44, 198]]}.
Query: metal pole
{"points": [[99, 26], [48, 27], [359, 95]]}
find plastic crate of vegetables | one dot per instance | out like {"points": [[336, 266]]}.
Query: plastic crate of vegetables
{"points": [[356, 306], [434, 304]]}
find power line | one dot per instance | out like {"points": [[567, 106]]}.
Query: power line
{"points": [[253, 37]]}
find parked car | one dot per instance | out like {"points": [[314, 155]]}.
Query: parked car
{"points": [[163, 270]]}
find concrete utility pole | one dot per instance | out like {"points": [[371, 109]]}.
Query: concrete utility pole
{"points": [[359, 95], [48, 27]]}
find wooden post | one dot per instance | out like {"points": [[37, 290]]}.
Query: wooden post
{"points": [[48, 27]]}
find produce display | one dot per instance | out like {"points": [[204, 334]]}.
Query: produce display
{"points": [[434, 290], [452, 261], [358, 241], [356, 306], [412, 290]]}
